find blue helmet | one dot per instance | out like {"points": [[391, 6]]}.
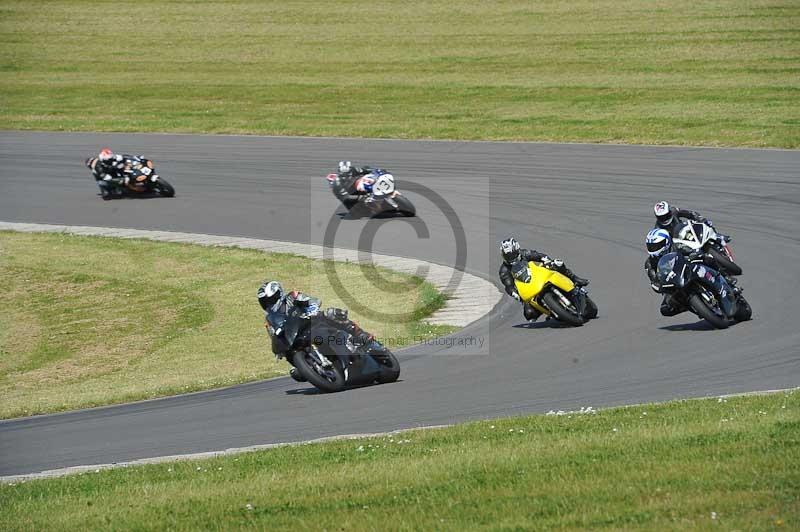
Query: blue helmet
{"points": [[658, 242]]}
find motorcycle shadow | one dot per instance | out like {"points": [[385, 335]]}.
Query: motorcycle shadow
{"points": [[701, 325], [545, 324], [311, 390], [152, 195]]}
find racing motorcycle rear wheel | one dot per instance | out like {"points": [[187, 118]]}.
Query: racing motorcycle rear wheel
{"points": [[328, 379], [390, 367], [724, 262], [560, 311], [743, 310], [164, 188], [404, 206], [702, 309]]}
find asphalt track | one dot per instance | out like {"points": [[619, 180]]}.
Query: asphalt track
{"points": [[589, 204]]}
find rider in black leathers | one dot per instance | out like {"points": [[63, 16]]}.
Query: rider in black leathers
{"points": [[344, 184], [273, 300], [512, 253]]}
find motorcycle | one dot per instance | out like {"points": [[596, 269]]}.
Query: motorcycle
{"points": [[697, 236], [380, 196], [552, 293], [327, 353], [141, 179], [702, 290]]}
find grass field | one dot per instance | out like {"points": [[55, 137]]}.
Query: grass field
{"points": [[709, 72], [87, 321], [718, 464]]}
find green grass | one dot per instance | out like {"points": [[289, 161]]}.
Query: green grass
{"points": [[87, 321], [718, 464], [709, 72]]}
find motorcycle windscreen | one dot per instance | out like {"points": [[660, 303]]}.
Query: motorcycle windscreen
{"points": [[672, 270]]}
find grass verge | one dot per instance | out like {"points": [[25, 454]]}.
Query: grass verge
{"points": [[710, 72], [732, 464], [87, 321]]}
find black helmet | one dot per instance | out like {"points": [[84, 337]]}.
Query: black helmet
{"points": [[510, 249], [269, 293], [663, 213]]}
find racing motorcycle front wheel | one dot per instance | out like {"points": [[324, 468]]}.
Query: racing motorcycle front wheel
{"points": [[563, 312], [326, 378], [709, 313]]}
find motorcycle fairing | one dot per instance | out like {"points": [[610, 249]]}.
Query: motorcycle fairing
{"points": [[540, 278]]}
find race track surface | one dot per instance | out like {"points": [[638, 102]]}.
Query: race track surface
{"points": [[589, 204]]}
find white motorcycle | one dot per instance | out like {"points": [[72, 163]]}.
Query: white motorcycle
{"points": [[697, 236]]}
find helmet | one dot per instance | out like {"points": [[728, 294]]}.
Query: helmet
{"points": [[105, 154], [510, 249], [345, 167], [269, 293], [663, 213], [658, 242]]}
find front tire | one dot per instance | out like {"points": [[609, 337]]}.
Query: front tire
{"points": [[331, 381], [164, 188], [559, 311], [702, 309], [724, 262]]}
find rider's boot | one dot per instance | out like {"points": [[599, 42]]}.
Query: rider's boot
{"points": [[579, 281], [530, 313]]}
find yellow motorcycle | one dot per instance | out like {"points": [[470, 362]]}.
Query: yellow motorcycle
{"points": [[552, 293]]}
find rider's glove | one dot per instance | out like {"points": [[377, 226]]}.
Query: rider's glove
{"points": [[516, 296], [546, 261]]}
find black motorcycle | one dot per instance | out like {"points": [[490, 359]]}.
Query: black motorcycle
{"points": [[142, 179], [380, 197], [329, 350], [704, 291]]}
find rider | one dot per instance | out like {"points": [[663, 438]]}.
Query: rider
{"points": [[669, 217], [108, 171], [659, 243], [273, 299], [511, 252], [344, 184]]}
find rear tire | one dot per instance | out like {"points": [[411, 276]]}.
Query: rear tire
{"points": [[390, 367], [559, 311], [405, 207], [724, 262], [164, 188], [743, 310], [699, 306], [333, 383], [590, 312]]}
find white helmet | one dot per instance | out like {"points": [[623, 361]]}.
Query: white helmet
{"points": [[663, 213], [269, 293], [345, 167], [658, 242], [510, 249]]}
